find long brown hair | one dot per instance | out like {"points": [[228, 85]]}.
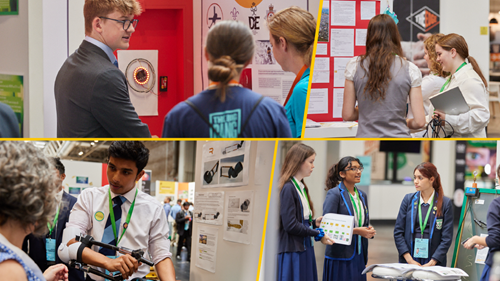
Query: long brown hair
{"points": [[457, 42], [230, 46], [333, 178], [294, 159], [430, 46], [298, 27], [428, 170], [382, 43]]}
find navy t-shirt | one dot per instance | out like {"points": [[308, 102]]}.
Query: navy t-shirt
{"points": [[268, 120]]}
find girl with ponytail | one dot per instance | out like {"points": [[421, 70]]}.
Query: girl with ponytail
{"points": [[424, 227], [292, 31], [453, 55], [226, 109], [347, 262], [296, 259]]}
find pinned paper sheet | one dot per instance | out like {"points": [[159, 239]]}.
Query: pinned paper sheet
{"points": [[322, 49], [342, 43], [361, 37], [318, 101], [338, 102], [321, 72], [339, 65], [343, 13], [367, 10]]}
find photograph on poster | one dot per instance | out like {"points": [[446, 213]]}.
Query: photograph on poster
{"points": [[210, 175], [207, 248], [231, 168], [264, 52], [324, 26], [209, 207], [239, 212], [233, 147]]}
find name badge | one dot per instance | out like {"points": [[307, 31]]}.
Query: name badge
{"points": [[50, 246], [312, 237], [113, 273], [421, 248]]}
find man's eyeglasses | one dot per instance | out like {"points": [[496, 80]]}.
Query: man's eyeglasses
{"points": [[355, 169], [126, 23]]}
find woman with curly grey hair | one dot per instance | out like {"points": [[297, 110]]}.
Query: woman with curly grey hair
{"points": [[28, 187]]}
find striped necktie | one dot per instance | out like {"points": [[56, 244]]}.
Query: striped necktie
{"points": [[108, 236], [115, 63]]}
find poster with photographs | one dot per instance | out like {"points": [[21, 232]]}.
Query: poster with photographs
{"points": [[225, 164], [263, 75], [209, 207], [238, 221], [206, 241]]}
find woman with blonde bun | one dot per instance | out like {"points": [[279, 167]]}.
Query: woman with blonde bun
{"points": [[291, 32], [225, 109]]}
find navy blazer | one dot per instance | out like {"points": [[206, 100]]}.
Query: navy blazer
{"points": [[37, 244], [493, 222], [337, 201], [293, 233], [441, 234]]}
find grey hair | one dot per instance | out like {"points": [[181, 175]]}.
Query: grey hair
{"points": [[28, 185]]}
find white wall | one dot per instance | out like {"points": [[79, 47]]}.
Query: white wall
{"points": [[84, 169], [235, 261]]}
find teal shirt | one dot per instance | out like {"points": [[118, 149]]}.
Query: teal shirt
{"points": [[295, 108]]}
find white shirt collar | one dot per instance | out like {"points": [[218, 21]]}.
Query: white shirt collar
{"points": [[301, 185], [103, 47], [129, 195], [431, 199]]}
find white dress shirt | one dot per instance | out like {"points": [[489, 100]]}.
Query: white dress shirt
{"points": [[359, 206], [147, 230], [303, 199], [471, 124]]}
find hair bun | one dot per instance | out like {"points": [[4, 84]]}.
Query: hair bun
{"points": [[222, 69]]}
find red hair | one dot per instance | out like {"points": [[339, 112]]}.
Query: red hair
{"points": [[428, 170]]}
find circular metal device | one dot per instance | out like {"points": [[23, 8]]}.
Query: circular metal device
{"points": [[141, 75]]}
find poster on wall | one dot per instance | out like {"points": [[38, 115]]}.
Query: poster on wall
{"points": [[417, 21], [12, 94], [209, 207], [9, 7], [207, 247], [225, 164], [264, 75], [238, 221]]}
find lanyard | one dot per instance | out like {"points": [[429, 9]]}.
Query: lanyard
{"points": [[448, 81], [305, 195], [51, 228], [112, 214], [422, 226], [297, 79], [355, 208], [213, 85]]}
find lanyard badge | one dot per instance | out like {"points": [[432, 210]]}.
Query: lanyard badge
{"points": [[112, 215], [422, 244], [50, 244], [358, 213]]}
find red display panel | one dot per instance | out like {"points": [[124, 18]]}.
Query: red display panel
{"points": [[358, 50]]}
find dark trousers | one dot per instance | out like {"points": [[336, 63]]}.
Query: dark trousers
{"points": [[187, 237]]}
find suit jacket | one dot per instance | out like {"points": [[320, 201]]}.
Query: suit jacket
{"points": [[293, 233], [9, 126], [180, 219], [92, 98], [441, 233], [337, 201], [37, 249]]}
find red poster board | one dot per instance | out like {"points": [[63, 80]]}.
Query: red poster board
{"points": [[358, 50]]}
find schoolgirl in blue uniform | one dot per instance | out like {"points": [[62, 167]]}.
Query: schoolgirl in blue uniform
{"points": [[424, 227], [296, 259], [492, 240], [346, 262]]}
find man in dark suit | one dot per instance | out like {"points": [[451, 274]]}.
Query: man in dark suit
{"points": [[184, 220], [36, 247], [9, 126], [92, 98]]}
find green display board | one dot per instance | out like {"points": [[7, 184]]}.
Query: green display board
{"points": [[12, 94], [472, 208], [9, 7]]}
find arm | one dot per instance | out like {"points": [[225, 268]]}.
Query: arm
{"points": [[417, 107], [165, 270], [288, 209], [12, 270], [331, 204], [349, 110], [493, 221], [180, 218], [399, 228], [171, 126], [478, 116], [112, 107], [446, 234]]}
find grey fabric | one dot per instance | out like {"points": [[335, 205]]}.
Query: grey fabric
{"points": [[92, 98], [9, 126], [384, 118]]}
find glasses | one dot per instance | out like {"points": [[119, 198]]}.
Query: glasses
{"points": [[355, 169], [126, 23]]}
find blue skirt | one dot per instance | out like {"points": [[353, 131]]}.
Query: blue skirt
{"points": [[337, 270], [486, 273], [298, 266]]}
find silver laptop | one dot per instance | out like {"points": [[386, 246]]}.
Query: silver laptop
{"points": [[450, 102]]}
